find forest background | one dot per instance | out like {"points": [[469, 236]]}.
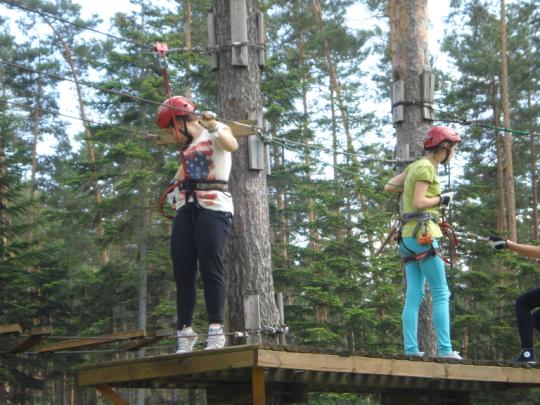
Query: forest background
{"points": [[80, 234]]}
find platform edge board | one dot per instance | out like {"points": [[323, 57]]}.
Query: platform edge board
{"points": [[402, 368], [165, 366]]}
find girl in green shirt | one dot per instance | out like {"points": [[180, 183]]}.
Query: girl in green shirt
{"points": [[422, 200]]}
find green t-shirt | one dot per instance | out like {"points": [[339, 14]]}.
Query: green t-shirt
{"points": [[421, 170]]}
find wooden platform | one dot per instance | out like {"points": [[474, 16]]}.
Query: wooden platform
{"points": [[296, 371]]}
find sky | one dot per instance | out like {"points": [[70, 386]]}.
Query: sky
{"points": [[357, 15]]}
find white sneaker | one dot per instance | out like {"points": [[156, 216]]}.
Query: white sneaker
{"points": [[417, 354], [186, 340], [454, 355], [216, 338]]}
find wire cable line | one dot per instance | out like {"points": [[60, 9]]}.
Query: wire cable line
{"points": [[79, 26], [86, 84], [124, 94], [145, 135], [148, 47]]}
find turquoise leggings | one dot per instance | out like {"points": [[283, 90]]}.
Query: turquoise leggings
{"points": [[432, 270]]}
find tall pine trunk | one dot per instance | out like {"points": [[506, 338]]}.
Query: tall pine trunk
{"points": [[314, 242], [248, 260], [335, 86], [35, 138], [409, 48], [187, 38], [508, 160], [534, 189], [68, 56]]}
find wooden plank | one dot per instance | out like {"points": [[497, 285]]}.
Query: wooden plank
{"points": [[212, 40], [258, 386], [241, 128], [35, 336], [165, 366], [405, 368], [13, 328], [152, 338], [111, 395], [239, 32], [252, 317], [91, 341]]}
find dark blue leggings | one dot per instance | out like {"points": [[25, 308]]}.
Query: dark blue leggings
{"points": [[199, 235], [527, 319]]}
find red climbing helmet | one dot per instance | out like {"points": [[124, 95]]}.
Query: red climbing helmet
{"points": [[436, 135], [182, 107]]}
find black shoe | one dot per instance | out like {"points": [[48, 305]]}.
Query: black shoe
{"points": [[525, 356]]}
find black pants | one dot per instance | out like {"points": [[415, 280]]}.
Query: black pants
{"points": [[199, 235], [526, 318]]}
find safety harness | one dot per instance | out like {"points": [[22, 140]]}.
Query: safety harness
{"points": [[424, 238], [190, 186], [423, 219]]}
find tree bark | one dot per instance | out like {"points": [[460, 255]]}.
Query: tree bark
{"points": [[248, 258], [409, 50], [508, 160]]}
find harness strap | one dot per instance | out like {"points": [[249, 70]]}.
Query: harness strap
{"points": [[202, 185], [421, 256], [190, 186]]}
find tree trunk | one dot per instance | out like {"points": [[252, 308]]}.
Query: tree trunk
{"points": [[534, 189], [337, 230], [314, 240], [68, 56], [282, 232], [248, 258], [502, 224], [187, 38], [35, 138], [4, 190], [409, 49], [510, 195], [334, 84]]}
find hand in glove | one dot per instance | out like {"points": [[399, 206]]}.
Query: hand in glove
{"points": [[497, 243], [208, 121], [446, 198]]}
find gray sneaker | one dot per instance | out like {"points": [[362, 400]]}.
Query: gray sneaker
{"points": [[186, 340], [216, 338]]}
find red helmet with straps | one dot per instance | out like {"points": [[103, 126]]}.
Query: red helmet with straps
{"points": [[436, 135], [181, 107]]}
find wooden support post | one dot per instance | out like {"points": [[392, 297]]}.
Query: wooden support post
{"points": [[256, 151], [279, 301], [252, 318], [428, 90], [212, 41], [239, 33], [261, 38], [398, 98], [258, 386], [111, 395]]}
